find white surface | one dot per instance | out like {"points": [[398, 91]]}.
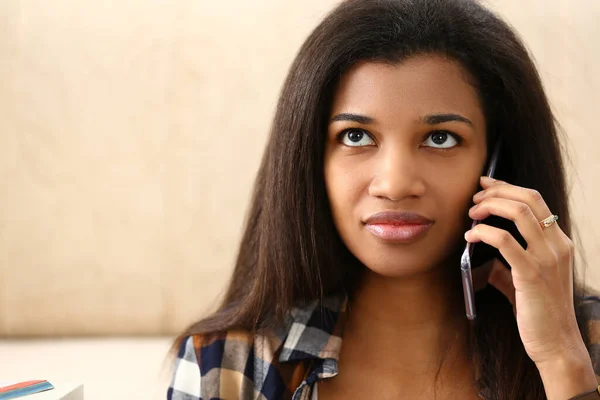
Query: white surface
{"points": [[110, 368]]}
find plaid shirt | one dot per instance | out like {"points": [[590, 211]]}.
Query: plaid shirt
{"points": [[284, 365]]}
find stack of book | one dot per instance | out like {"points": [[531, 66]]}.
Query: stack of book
{"points": [[12, 390]]}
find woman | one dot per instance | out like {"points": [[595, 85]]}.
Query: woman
{"points": [[383, 129]]}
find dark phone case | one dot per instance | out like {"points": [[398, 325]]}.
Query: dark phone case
{"points": [[483, 252]]}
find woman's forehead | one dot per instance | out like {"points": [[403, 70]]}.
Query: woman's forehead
{"points": [[418, 85]]}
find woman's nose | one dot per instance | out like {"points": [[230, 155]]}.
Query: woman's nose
{"points": [[396, 175]]}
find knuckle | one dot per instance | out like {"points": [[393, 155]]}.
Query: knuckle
{"points": [[535, 196], [523, 210], [566, 256], [568, 250], [505, 238], [570, 244]]}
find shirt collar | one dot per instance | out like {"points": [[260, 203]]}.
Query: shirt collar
{"points": [[315, 331]]}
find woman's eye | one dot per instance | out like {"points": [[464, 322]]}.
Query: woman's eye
{"points": [[355, 138], [443, 139]]}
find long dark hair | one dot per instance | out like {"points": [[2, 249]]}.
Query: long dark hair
{"points": [[291, 253]]}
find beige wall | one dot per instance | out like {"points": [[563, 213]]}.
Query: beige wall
{"points": [[130, 133]]}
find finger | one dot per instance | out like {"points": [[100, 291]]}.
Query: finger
{"points": [[501, 278], [520, 214], [531, 197], [556, 239], [509, 248]]}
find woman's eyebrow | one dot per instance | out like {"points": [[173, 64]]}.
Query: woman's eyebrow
{"points": [[434, 119], [361, 119], [431, 119]]}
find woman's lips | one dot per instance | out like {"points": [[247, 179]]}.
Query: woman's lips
{"points": [[400, 233]]}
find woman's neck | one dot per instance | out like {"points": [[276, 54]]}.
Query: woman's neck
{"points": [[430, 303], [404, 328]]}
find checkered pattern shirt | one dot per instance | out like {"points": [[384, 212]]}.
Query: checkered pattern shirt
{"points": [[284, 365]]}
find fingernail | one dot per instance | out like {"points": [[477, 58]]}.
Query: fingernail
{"points": [[487, 179], [478, 195], [467, 233]]}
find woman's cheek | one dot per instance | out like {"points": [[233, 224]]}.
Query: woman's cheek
{"points": [[345, 188]]}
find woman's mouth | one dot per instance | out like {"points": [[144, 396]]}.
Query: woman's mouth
{"points": [[399, 233], [398, 226]]}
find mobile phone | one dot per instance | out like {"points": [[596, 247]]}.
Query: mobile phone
{"points": [[467, 255]]}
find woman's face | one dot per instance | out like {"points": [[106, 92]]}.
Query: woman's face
{"points": [[404, 138]]}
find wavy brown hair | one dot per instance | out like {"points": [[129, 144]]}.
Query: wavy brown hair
{"points": [[291, 253]]}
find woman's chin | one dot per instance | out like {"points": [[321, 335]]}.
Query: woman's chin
{"points": [[404, 269]]}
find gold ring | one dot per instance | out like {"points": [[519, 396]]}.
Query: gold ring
{"points": [[548, 221]]}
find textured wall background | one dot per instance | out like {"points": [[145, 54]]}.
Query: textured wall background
{"points": [[131, 131]]}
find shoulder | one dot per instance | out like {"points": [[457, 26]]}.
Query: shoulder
{"points": [[231, 364], [185, 383]]}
